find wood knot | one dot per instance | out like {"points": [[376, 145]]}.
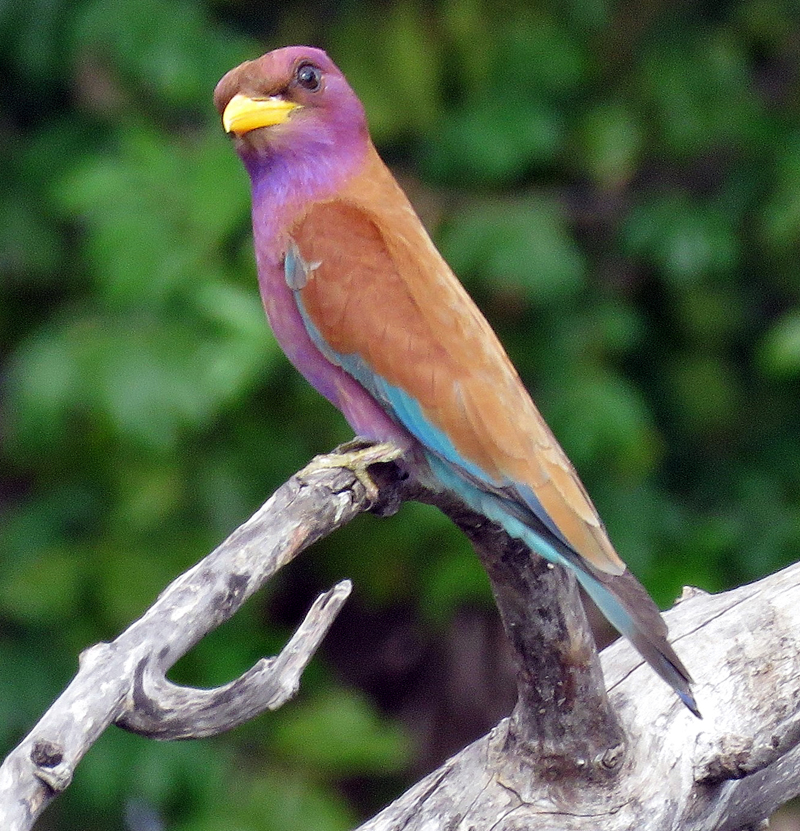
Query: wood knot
{"points": [[612, 758], [46, 754], [50, 767]]}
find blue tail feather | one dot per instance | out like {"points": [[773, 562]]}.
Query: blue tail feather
{"points": [[621, 598]]}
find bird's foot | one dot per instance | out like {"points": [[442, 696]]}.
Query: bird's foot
{"points": [[357, 456]]}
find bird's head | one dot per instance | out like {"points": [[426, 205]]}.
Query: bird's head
{"points": [[292, 109]]}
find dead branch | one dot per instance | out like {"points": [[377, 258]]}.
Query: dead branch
{"points": [[729, 771], [124, 682], [575, 754]]}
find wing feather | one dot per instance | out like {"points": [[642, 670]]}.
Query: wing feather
{"points": [[389, 301]]}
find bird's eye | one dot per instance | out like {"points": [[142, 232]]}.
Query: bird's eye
{"points": [[309, 76]]}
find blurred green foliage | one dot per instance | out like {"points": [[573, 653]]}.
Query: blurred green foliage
{"points": [[617, 184]]}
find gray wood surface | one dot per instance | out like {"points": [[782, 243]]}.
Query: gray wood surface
{"points": [[576, 753]]}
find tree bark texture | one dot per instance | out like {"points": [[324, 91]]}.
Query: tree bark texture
{"points": [[576, 753]]}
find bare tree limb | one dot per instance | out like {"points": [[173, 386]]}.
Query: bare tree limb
{"points": [[124, 681], [575, 754], [160, 709], [563, 718], [727, 772]]}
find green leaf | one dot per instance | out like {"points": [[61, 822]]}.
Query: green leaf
{"points": [[779, 353], [394, 71], [339, 732], [157, 215], [144, 379], [706, 392], [780, 218], [599, 416], [165, 50], [548, 63], [685, 239], [492, 141], [278, 799], [451, 580], [700, 88], [523, 244], [28, 243], [611, 141], [43, 589]]}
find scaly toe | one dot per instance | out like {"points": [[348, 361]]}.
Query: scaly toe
{"points": [[357, 461]]}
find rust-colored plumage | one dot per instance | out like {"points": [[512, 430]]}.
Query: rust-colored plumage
{"points": [[368, 310], [389, 297]]}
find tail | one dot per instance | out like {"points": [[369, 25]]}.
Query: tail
{"points": [[620, 597], [631, 610]]}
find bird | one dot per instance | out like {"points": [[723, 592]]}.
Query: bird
{"points": [[366, 308]]}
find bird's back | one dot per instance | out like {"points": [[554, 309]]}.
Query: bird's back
{"points": [[378, 289]]}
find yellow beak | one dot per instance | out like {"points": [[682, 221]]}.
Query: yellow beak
{"points": [[244, 114]]}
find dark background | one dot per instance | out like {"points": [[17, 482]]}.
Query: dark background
{"points": [[618, 185]]}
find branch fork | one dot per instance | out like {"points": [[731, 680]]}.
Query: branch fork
{"points": [[577, 752]]}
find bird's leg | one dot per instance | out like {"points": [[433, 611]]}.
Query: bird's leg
{"points": [[357, 456]]}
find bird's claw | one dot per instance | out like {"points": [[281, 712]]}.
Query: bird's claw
{"points": [[357, 456]]}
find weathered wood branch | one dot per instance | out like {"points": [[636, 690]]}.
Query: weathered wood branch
{"points": [[162, 710], [571, 756], [124, 681], [563, 718], [727, 772]]}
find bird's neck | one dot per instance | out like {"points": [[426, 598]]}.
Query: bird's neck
{"points": [[285, 183], [282, 192], [277, 205]]}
